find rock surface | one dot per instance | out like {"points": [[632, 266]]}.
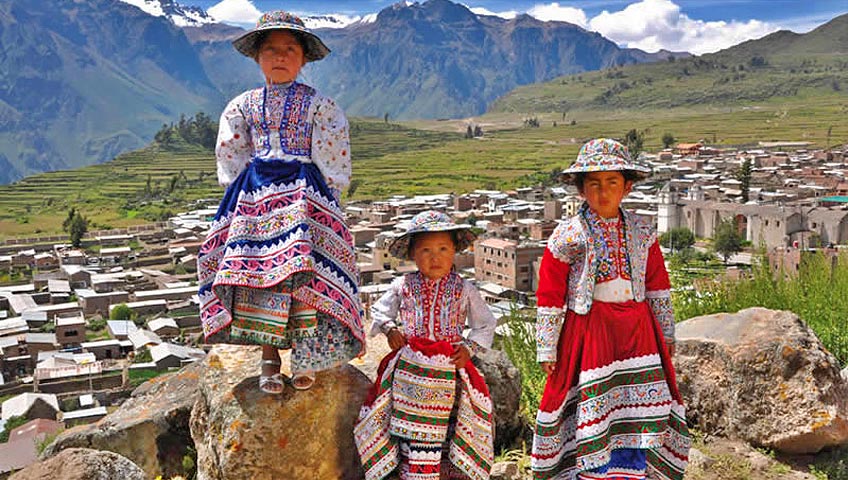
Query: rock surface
{"points": [[240, 432], [762, 376], [215, 406], [504, 382], [506, 471], [83, 464], [150, 428]]}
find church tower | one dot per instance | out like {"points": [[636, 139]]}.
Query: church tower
{"points": [[668, 212]]}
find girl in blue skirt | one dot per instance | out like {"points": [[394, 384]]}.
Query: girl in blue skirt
{"points": [[278, 266]]}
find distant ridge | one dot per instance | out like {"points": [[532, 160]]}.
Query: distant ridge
{"points": [[782, 64]]}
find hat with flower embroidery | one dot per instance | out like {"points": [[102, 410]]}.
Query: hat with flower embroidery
{"points": [[313, 48], [604, 155], [432, 221]]}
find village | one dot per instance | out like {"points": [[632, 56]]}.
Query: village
{"points": [[79, 328]]}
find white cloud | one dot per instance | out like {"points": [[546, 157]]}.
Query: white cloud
{"points": [[484, 11], [555, 12], [659, 24], [238, 12]]}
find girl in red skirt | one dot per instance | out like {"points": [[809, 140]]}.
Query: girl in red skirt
{"points": [[605, 335]]}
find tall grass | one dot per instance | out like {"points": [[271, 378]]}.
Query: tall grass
{"points": [[520, 347], [817, 292]]}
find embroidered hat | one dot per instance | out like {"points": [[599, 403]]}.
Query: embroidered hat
{"points": [[432, 221], [604, 155], [313, 48]]}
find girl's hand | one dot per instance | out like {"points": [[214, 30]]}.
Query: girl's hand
{"points": [[548, 367], [460, 356], [670, 346], [395, 338]]}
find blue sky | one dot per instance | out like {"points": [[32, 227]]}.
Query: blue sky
{"points": [[698, 26]]}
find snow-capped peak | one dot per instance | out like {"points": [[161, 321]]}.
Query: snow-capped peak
{"points": [[331, 20], [180, 15]]}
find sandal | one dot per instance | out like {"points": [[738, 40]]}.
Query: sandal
{"points": [[272, 384], [303, 380]]}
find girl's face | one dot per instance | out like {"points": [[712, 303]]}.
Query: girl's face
{"points": [[280, 57], [433, 254], [603, 192]]}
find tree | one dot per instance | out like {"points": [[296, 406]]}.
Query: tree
{"points": [[354, 185], [77, 229], [727, 240], [12, 423], [121, 312], [634, 141], [668, 139], [743, 174], [757, 61], [677, 239], [66, 224]]}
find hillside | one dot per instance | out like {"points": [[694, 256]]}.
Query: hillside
{"points": [[782, 66], [84, 81], [422, 157], [154, 183]]}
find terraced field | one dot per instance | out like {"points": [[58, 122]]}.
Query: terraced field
{"points": [[412, 158]]}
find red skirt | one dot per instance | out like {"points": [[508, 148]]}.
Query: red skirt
{"points": [[614, 387]]}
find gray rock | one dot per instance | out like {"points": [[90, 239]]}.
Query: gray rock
{"points": [[83, 464], [698, 460], [504, 382], [150, 428], [844, 374], [762, 376], [505, 471]]}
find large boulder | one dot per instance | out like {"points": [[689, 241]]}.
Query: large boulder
{"points": [[150, 428], [83, 464], [240, 432], [764, 377], [504, 382]]}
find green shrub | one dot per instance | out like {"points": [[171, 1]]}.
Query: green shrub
{"points": [[11, 424]]}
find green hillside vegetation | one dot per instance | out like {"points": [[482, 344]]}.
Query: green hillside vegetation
{"points": [[781, 67], [165, 178], [424, 157]]}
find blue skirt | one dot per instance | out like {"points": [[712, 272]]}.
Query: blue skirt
{"points": [[280, 233]]}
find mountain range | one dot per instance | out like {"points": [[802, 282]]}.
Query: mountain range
{"points": [[81, 81], [782, 66]]}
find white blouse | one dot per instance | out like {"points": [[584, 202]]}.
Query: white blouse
{"points": [[239, 142]]}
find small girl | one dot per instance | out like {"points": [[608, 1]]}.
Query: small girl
{"points": [[605, 336], [278, 266], [406, 419]]}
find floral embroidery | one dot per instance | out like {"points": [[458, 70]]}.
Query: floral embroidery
{"points": [[574, 243], [612, 258], [660, 303], [419, 312], [316, 132], [549, 322]]}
